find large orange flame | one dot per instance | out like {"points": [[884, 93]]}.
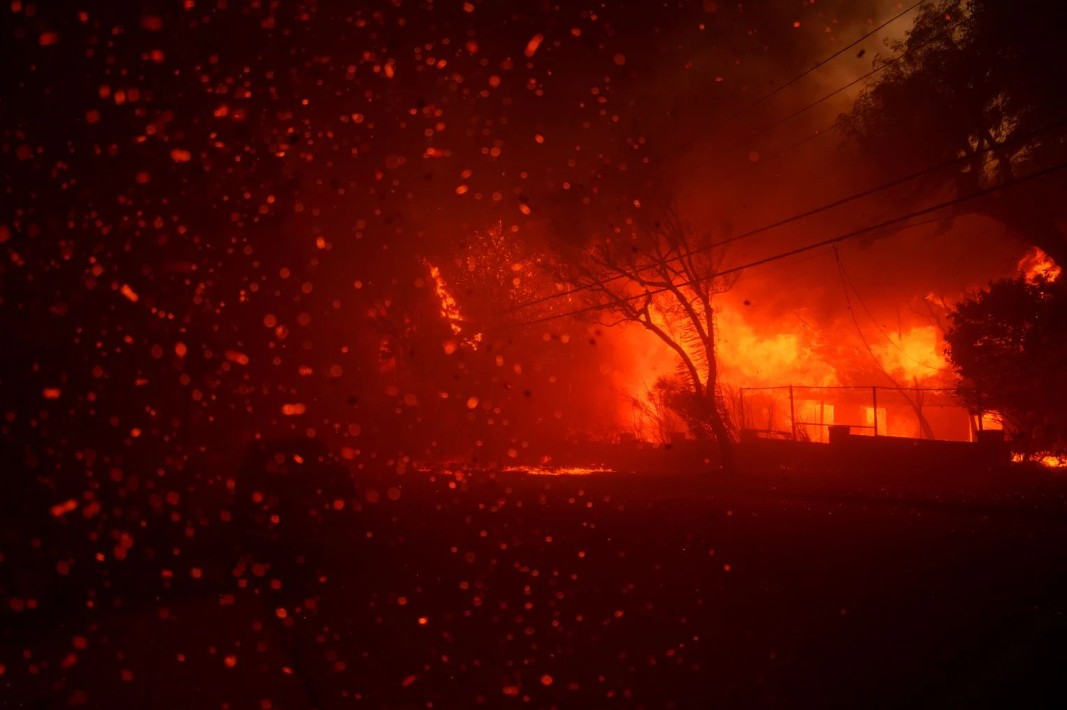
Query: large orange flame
{"points": [[788, 351], [914, 356], [1036, 264]]}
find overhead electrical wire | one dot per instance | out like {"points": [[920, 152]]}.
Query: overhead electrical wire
{"points": [[822, 62], [827, 206], [804, 109], [831, 205], [807, 213], [856, 322], [924, 425], [830, 95], [846, 283], [821, 99], [881, 67], [815, 245]]}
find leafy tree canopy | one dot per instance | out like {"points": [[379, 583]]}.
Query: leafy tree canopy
{"points": [[982, 82], [1009, 344]]}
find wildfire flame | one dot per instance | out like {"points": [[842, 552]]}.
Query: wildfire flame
{"points": [[1046, 460], [789, 351], [755, 350], [750, 358], [451, 313], [1036, 265], [914, 355], [558, 470], [449, 308]]}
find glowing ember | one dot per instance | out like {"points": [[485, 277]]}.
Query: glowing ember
{"points": [[129, 293], [558, 470], [61, 509], [236, 357], [533, 44], [449, 307], [1047, 460]]}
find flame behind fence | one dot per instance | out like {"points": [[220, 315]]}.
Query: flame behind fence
{"points": [[808, 413]]}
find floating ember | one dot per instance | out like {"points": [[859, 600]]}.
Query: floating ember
{"points": [[558, 470]]}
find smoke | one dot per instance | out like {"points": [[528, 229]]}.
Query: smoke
{"points": [[683, 125], [618, 111]]}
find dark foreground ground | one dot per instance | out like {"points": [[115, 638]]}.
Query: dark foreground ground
{"points": [[499, 589]]}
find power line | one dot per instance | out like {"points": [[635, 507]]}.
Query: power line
{"points": [[814, 245], [855, 321], [881, 67], [817, 65], [770, 127], [825, 97], [808, 213], [924, 425], [786, 119], [846, 278], [811, 69], [884, 65], [846, 283]]}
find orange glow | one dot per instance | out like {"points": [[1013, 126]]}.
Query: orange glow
{"points": [[558, 470], [991, 421], [293, 409], [1037, 264], [868, 419], [912, 356], [747, 356], [750, 358], [759, 349], [814, 418]]}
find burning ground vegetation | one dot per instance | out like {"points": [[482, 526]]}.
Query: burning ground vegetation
{"points": [[412, 354]]}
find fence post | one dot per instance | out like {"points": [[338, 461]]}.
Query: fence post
{"points": [[792, 414], [874, 401], [920, 422], [822, 420]]}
